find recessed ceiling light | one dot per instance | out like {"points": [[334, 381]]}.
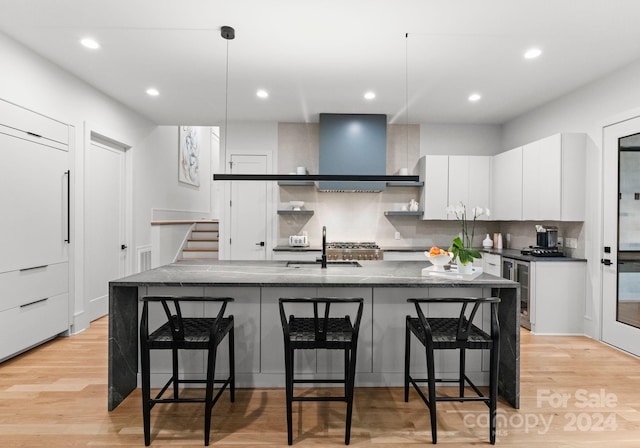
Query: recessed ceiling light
{"points": [[474, 97], [90, 43], [532, 53], [261, 93], [152, 92], [369, 95]]}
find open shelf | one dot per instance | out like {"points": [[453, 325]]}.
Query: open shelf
{"points": [[405, 184], [295, 212], [299, 183], [403, 213]]}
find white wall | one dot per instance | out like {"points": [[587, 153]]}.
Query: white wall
{"points": [[460, 139], [32, 82], [156, 184], [585, 110]]}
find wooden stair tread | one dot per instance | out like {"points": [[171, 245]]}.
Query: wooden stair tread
{"points": [[200, 249], [206, 240]]}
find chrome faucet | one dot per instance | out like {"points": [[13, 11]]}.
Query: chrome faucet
{"points": [[324, 248]]}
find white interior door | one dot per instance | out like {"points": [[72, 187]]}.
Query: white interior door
{"points": [[621, 236], [248, 209], [105, 247]]}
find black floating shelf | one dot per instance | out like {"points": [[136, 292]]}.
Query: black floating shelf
{"points": [[301, 183], [403, 213], [295, 212], [405, 184]]}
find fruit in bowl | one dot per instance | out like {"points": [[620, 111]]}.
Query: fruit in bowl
{"points": [[438, 257]]}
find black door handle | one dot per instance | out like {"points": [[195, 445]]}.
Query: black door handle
{"points": [[606, 261], [123, 246], [261, 244]]}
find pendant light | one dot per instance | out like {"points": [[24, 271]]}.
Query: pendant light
{"points": [[228, 33]]}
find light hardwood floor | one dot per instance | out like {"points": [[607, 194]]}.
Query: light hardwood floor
{"points": [[56, 396]]}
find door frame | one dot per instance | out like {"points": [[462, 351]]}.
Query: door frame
{"points": [[81, 317], [611, 121], [271, 228]]}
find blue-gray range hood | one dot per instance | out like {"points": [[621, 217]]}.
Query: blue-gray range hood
{"points": [[354, 145]]}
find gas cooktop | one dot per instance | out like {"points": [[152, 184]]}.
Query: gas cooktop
{"points": [[542, 252]]}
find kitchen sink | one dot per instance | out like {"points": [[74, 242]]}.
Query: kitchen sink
{"points": [[304, 264]]}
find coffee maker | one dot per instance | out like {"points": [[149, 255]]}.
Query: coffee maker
{"points": [[546, 243], [547, 237]]}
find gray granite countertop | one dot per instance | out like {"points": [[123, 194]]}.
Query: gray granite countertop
{"points": [[509, 253], [277, 273]]}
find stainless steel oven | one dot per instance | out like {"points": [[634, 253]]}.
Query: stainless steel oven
{"points": [[518, 271]]}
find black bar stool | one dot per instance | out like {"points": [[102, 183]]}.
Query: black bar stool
{"points": [[454, 333], [185, 333], [318, 330]]}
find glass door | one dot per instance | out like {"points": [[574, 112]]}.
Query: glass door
{"points": [[621, 235]]}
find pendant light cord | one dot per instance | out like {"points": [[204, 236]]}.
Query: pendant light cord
{"points": [[406, 90], [227, 33], [226, 99]]}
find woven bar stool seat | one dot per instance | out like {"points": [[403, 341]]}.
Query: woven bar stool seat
{"points": [[185, 333], [320, 331], [454, 333]]}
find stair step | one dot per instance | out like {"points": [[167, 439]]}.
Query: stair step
{"points": [[200, 249], [200, 226], [202, 243], [204, 235]]}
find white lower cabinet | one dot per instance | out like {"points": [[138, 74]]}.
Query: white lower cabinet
{"points": [[34, 307], [32, 323], [557, 297], [491, 264]]}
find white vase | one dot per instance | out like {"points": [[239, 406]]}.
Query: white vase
{"points": [[465, 269], [487, 243]]}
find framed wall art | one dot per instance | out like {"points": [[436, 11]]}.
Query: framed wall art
{"points": [[189, 155]]}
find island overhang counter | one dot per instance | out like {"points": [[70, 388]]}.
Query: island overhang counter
{"points": [[256, 287]]}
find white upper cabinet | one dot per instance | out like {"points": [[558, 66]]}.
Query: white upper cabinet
{"points": [[469, 182], [449, 180], [506, 186], [434, 172], [553, 178]]}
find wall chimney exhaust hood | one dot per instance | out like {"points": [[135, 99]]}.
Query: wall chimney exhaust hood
{"points": [[353, 144]]}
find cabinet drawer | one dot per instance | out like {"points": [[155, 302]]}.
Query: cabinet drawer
{"points": [[29, 285], [23, 327], [492, 264], [33, 123]]}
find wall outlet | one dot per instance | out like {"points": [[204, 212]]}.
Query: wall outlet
{"points": [[560, 243], [397, 235], [571, 243]]}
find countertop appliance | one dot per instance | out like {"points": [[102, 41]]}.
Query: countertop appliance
{"points": [[298, 241], [547, 237], [546, 243], [536, 251], [354, 251], [518, 270]]}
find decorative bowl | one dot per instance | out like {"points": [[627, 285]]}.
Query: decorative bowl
{"points": [[296, 204], [438, 261]]}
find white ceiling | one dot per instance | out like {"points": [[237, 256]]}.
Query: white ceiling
{"points": [[322, 55]]}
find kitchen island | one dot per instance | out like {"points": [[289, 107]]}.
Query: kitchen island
{"points": [[256, 287]]}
